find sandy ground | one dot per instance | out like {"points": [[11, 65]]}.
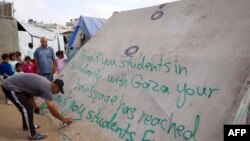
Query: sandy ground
{"points": [[11, 124]]}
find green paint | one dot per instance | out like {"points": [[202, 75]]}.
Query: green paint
{"points": [[149, 85], [119, 80], [155, 121], [43, 107], [180, 129], [192, 134], [186, 91], [144, 138], [98, 57], [141, 64], [180, 69], [60, 101], [93, 94], [108, 62], [169, 126], [110, 124], [87, 71], [138, 82], [145, 65], [75, 108], [84, 56], [57, 98], [124, 109]]}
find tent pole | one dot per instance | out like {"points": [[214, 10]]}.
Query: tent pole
{"points": [[59, 48]]}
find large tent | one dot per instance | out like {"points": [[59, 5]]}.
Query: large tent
{"points": [[172, 72], [85, 28]]}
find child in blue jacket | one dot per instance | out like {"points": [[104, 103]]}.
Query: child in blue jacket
{"points": [[5, 71]]}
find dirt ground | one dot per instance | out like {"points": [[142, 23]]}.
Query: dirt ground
{"points": [[11, 124]]}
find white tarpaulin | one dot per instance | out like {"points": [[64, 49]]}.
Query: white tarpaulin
{"points": [[171, 72]]}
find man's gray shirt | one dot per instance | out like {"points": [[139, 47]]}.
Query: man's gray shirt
{"points": [[31, 84], [45, 57]]}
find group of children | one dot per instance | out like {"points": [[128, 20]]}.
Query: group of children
{"points": [[13, 64]]}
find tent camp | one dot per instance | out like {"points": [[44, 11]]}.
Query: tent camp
{"points": [[30, 34], [85, 28]]}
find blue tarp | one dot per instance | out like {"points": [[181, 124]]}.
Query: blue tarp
{"points": [[89, 25]]}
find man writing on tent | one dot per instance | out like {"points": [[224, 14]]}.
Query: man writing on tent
{"points": [[21, 89]]}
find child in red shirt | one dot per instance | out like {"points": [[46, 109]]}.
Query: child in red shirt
{"points": [[28, 66]]}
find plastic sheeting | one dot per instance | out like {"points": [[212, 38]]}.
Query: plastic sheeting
{"points": [[87, 26]]}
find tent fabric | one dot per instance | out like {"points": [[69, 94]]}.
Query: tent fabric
{"points": [[89, 26], [39, 32], [142, 78]]}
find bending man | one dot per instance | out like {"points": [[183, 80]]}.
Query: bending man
{"points": [[21, 89]]}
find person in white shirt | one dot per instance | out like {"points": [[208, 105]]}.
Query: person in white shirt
{"points": [[13, 61], [31, 51]]}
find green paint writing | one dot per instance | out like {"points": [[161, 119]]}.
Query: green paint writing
{"points": [[180, 69], [186, 91], [43, 107], [87, 71], [124, 109], [123, 133], [84, 56], [146, 65], [149, 85], [169, 126], [60, 101], [94, 94], [75, 108], [146, 133], [119, 80]]}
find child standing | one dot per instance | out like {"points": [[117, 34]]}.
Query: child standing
{"points": [[19, 68], [31, 51], [60, 60], [28, 66], [5, 71], [13, 61]]}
